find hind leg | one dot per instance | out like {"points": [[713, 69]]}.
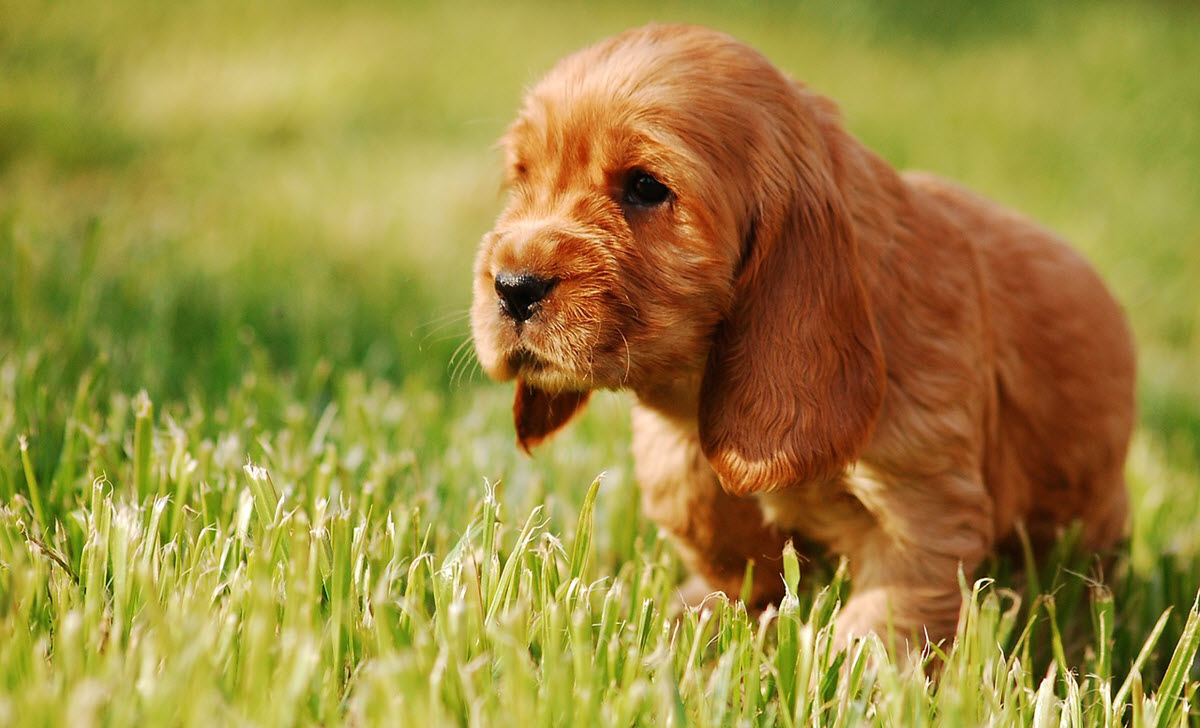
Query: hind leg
{"points": [[1106, 519]]}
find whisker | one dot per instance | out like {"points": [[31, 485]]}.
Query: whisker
{"points": [[626, 302], [463, 373], [439, 325], [628, 358], [467, 371], [460, 361], [591, 357], [452, 315], [466, 368]]}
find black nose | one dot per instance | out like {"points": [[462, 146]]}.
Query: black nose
{"points": [[520, 293]]}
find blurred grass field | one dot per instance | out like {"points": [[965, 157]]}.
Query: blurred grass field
{"points": [[262, 215]]}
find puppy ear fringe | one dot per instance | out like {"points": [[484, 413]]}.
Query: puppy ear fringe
{"points": [[538, 414], [796, 376]]}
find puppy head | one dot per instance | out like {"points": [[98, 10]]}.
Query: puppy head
{"points": [[620, 239], [660, 182]]}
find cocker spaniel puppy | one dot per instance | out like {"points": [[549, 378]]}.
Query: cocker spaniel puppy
{"points": [[880, 365]]}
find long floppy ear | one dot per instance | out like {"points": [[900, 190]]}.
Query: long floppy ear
{"points": [[795, 378], [539, 414]]}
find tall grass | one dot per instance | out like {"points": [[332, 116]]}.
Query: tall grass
{"points": [[368, 573], [249, 473], [337, 576]]}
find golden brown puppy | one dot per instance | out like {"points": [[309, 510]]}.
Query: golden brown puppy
{"points": [[887, 366]]}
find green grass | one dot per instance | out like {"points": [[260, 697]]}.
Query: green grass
{"points": [[240, 234]]}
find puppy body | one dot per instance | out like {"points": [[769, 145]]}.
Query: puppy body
{"points": [[883, 366]]}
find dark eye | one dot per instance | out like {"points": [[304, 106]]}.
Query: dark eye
{"points": [[643, 189]]}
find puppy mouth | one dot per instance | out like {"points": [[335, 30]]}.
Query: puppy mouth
{"points": [[524, 362], [533, 369]]}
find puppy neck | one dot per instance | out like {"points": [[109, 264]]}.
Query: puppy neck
{"points": [[675, 399]]}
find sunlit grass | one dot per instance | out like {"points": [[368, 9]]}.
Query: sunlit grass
{"points": [[240, 234], [353, 570]]}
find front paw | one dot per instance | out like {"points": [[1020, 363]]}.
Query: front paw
{"points": [[905, 622], [697, 593], [862, 615]]}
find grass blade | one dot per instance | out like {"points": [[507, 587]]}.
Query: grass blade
{"points": [[1170, 691], [31, 482], [581, 550], [1139, 661]]}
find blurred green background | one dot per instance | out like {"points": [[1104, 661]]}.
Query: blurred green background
{"points": [[193, 193]]}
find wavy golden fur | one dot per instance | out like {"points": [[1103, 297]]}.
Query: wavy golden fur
{"points": [[884, 366]]}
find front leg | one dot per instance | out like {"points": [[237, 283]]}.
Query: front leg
{"points": [[905, 567], [716, 533]]}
